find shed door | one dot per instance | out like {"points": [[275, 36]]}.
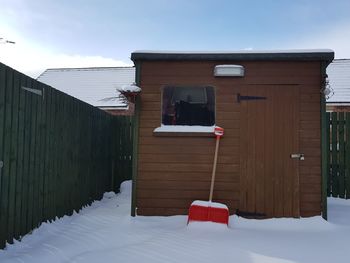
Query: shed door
{"points": [[269, 135]]}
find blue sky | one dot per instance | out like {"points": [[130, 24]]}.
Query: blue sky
{"points": [[103, 33]]}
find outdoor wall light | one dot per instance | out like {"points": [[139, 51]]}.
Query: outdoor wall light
{"points": [[229, 71], [327, 90]]}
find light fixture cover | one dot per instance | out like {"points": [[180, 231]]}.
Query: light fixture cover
{"points": [[229, 71]]}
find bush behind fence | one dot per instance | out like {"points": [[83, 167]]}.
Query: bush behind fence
{"points": [[57, 153]]}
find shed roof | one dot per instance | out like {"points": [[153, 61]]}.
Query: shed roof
{"points": [[339, 79], [301, 54], [96, 86]]}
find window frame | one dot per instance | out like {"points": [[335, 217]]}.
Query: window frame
{"points": [[185, 130]]}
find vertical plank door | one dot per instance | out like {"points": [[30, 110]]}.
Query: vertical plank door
{"points": [[269, 135]]}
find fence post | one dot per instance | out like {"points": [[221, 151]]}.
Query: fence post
{"points": [[334, 154], [341, 142], [328, 150], [347, 155]]}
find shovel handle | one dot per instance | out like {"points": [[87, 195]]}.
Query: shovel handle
{"points": [[214, 168]]}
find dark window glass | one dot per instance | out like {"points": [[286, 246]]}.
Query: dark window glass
{"points": [[188, 106]]}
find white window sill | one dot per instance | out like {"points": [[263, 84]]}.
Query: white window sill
{"points": [[184, 130]]}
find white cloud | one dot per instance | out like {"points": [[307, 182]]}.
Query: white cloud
{"points": [[33, 59]]}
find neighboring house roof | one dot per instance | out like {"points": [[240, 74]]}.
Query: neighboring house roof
{"points": [[96, 86], [339, 79]]}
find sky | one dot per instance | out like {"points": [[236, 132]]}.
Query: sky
{"points": [[89, 33]]}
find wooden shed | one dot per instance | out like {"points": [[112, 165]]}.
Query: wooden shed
{"points": [[271, 107]]}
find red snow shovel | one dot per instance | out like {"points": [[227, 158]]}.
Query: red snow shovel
{"points": [[208, 210]]}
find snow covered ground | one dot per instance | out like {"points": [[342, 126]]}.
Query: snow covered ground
{"points": [[104, 232]]}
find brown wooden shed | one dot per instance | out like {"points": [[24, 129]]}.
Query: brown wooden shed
{"points": [[271, 107]]}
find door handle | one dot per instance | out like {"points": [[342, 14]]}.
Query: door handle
{"points": [[299, 156]]}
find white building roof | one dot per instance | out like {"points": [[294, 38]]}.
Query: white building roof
{"points": [[339, 79], [96, 86]]}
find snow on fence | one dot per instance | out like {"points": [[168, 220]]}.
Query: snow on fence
{"points": [[57, 153], [338, 161]]}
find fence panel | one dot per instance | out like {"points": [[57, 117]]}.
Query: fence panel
{"points": [[57, 153], [328, 145], [347, 154], [341, 175], [338, 135]]}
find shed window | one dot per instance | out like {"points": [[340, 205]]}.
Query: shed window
{"points": [[188, 106]]}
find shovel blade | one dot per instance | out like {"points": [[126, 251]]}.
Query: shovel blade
{"points": [[201, 211]]}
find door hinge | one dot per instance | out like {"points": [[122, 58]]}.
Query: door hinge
{"points": [[240, 98]]}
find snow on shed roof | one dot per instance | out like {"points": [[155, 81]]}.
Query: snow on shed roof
{"points": [[292, 54], [271, 51], [96, 86], [339, 79]]}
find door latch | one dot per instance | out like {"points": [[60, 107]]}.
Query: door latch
{"points": [[299, 156]]}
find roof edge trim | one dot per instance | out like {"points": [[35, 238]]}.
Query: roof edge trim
{"points": [[278, 55]]}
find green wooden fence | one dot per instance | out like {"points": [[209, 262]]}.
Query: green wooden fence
{"points": [[57, 153], [338, 163]]}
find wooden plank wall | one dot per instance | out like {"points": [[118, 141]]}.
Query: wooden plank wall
{"points": [[310, 144], [174, 171], [58, 154], [338, 163]]}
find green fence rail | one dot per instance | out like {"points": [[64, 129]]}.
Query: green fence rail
{"points": [[338, 163], [57, 153]]}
